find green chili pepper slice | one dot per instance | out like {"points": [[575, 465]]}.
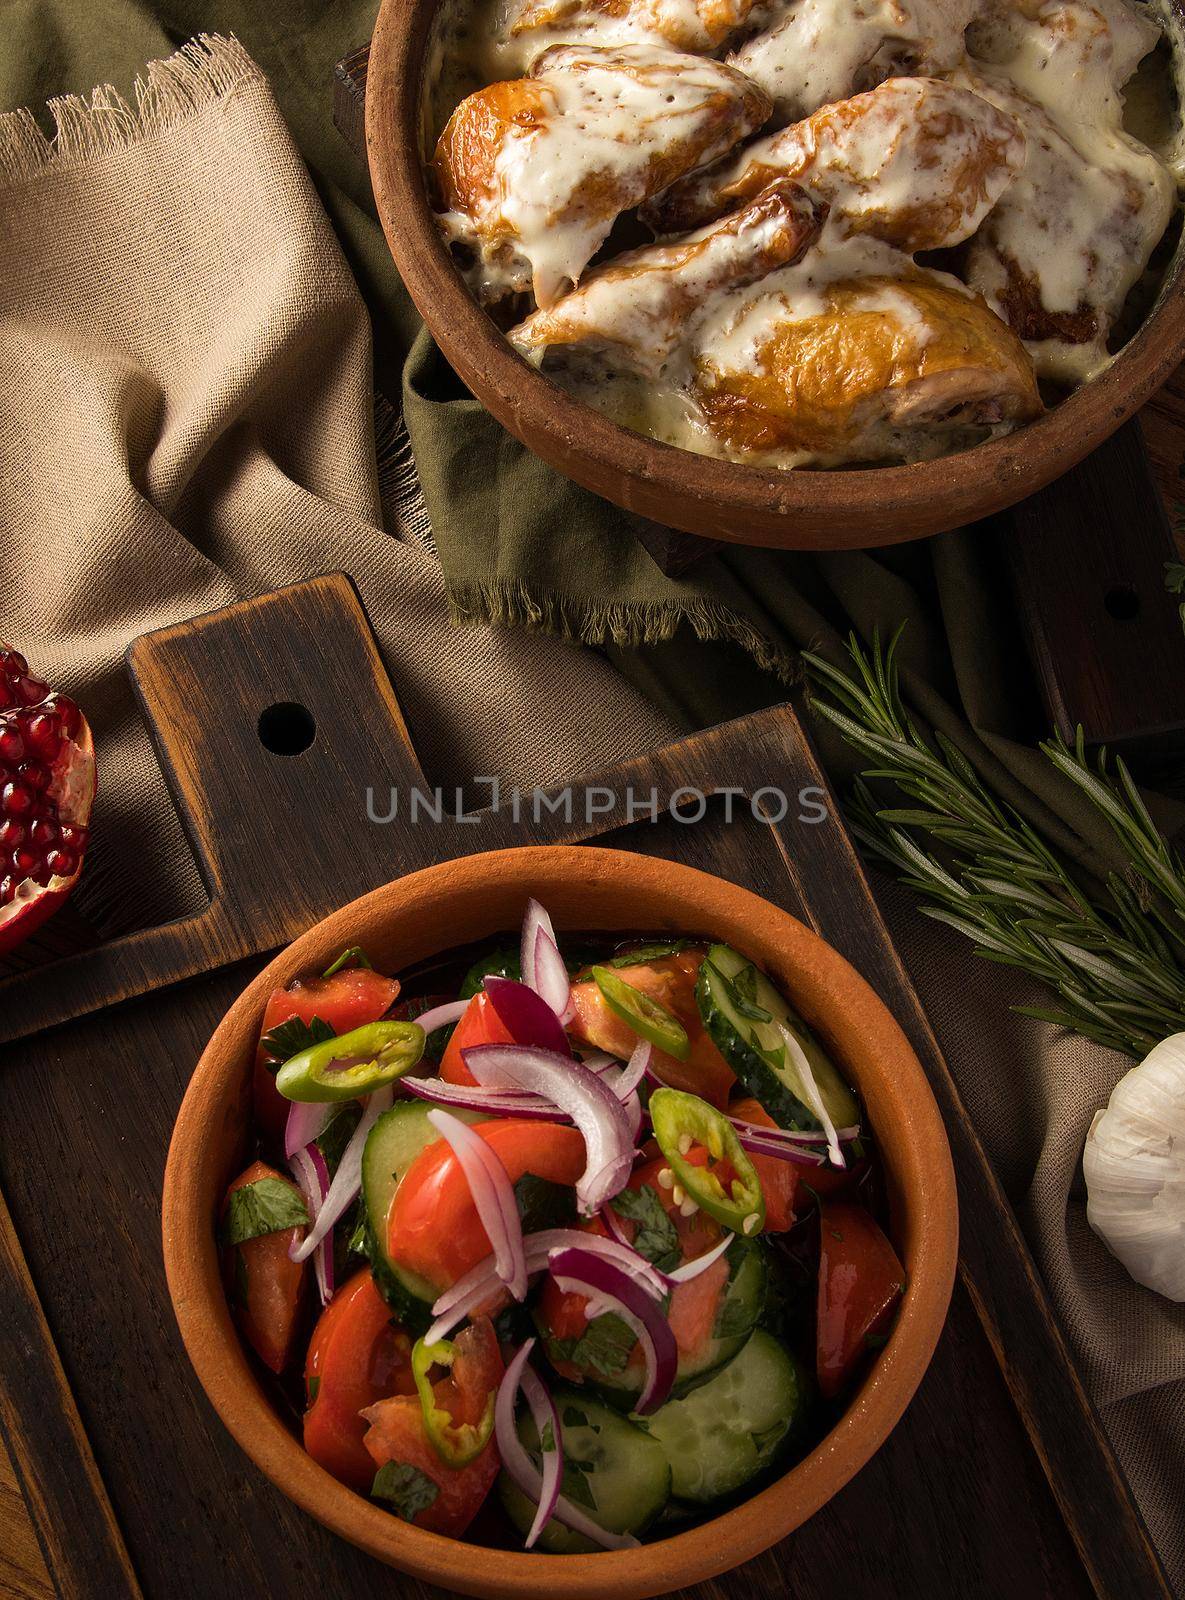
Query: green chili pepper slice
{"points": [[456, 1443], [352, 957], [353, 1064], [645, 1016], [683, 1123]]}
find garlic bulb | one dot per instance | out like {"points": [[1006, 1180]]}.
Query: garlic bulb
{"points": [[1134, 1165]]}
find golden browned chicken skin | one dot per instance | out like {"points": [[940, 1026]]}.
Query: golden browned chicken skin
{"points": [[533, 173], [640, 305], [883, 358], [916, 162], [692, 25]]}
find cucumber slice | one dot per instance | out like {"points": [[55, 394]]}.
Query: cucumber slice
{"points": [[741, 1010], [612, 1471], [734, 1426], [391, 1146]]}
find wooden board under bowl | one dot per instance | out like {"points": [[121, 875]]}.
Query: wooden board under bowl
{"points": [[998, 1481]]}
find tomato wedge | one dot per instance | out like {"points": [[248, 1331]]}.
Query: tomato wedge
{"points": [[861, 1282], [346, 1001], [265, 1287], [433, 1228], [424, 1489], [357, 1356], [779, 1179], [479, 1024], [671, 981]]}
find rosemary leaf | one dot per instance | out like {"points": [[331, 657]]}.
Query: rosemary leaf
{"points": [[1113, 954]]}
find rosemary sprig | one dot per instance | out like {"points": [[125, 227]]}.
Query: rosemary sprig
{"points": [[1114, 953]]}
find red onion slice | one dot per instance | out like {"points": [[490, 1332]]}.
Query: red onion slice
{"points": [[522, 1470], [481, 1283], [497, 1102], [535, 918], [305, 1123], [634, 1070], [692, 1269], [493, 1195], [530, 1020], [752, 1139], [312, 1177], [442, 1016], [543, 1410], [814, 1099], [348, 1177], [591, 1104], [552, 983], [578, 1271], [598, 1060]]}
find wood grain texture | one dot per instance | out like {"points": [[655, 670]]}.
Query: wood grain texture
{"points": [[81, 1542], [252, 815], [1087, 557], [22, 1566]]}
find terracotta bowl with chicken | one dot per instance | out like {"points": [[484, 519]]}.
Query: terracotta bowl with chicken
{"points": [[800, 273]]}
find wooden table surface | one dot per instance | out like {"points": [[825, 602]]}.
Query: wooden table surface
{"points": [[23, 1574]]}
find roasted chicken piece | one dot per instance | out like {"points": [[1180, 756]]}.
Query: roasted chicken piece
{"points": [[1074, 56], [818, 51], [640, 307], [1063, 247], [533, 173], [693, 25], [916, 162], [871, 369]]}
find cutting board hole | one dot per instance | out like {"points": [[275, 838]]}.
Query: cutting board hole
{"points": [[1122, 603], [287, 729]]}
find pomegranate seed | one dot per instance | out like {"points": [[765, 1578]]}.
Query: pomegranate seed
{"points": [[12, 834], [7, 698], [23, 862], [68, 715], [13, 662], [61, 863], [43, 737], [7, 891], [42, 834], [12, 746], [34, 776], [31, 691], [16, 800], [73, 836]]}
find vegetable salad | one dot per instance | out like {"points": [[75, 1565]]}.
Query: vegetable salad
{"points": [[588, 1250]]}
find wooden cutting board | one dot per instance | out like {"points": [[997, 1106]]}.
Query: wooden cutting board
{"points": [[999, 1480]]}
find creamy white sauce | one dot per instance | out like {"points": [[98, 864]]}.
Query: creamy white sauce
{"points": [[608, 117], [1083, 216], [817, 51], [1073, 207]]}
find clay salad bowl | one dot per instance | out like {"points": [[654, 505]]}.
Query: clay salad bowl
{"points": [[586, 890], [798, 509]]}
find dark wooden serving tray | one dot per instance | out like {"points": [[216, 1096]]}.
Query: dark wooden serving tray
{"points": [[999, 1480]]}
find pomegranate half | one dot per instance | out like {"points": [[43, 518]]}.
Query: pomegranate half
{"points": [[47, 784]]}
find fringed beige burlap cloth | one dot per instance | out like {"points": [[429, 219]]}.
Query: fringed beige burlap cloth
{"points": [[187, 419]]}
